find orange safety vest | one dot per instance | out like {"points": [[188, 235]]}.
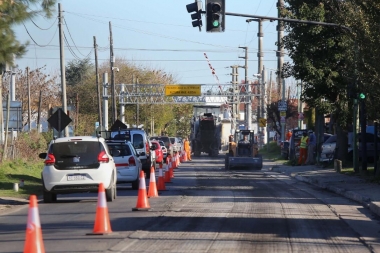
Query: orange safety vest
{"points": [[187, 146]]}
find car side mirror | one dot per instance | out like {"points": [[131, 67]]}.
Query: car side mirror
{"points": [[42, 155]]}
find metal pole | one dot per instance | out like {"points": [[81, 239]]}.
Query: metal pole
{"points": [[63, 69], [247, 104]]}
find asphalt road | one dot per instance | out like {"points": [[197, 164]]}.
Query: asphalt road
{"points": [[206, 209]]}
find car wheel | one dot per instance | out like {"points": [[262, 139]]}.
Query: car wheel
{"points": [[111, 192], [135, 184], [49, 197]]}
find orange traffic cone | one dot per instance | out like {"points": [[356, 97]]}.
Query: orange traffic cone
{"points": [[167, 173], [161, 180], [142, 199], [181, 157], [33, 238], [102, 220], [152, 184], [173, 162]]}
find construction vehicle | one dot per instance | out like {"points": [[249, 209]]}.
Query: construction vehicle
{"points": [[205, 136], [243, 151]]}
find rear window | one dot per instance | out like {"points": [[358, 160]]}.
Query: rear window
{"points": [[138, 141], [124, 150], [76, 154], [164, 139]]}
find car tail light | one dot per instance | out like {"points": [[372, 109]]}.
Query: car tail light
{"points": [[103, 157], [147, 148], [132, 161], [50, 159]]}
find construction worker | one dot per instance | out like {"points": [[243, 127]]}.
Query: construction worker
{"points": [[312, 142], [288, 135], [187, 149], [303, 149]]}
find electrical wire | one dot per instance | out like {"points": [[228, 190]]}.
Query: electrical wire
{"points": [[35, 41], [69, 47], [44, 28], [67, 27], [155, 34]]}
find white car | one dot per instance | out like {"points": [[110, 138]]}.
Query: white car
{"points": [[127, 162], [164, 149], [78, 164]]}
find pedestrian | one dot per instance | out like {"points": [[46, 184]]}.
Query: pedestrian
{"points": [[311, 148], [187, 148], [288, 135], [303, 149]]}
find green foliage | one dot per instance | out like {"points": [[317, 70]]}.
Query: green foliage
{"points": [[15, 12], [13, 171]]}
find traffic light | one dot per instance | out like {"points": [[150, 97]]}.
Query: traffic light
{"points": [[197, 16], [215, 15], [361, 95]]}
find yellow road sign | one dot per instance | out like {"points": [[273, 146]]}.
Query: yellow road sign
{"points": [[282, 113], [262, 122], [183, 90]]}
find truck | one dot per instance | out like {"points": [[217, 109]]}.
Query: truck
{"points": [[209, 129]]}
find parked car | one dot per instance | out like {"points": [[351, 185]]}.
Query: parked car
{"points": [[169, 146], [164, 149], [77, 164], [176, 144], [158, 151], [329, 147], [140, 142], [128, 164]]}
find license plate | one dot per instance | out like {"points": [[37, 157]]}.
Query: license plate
{"points": [[76, 177]]}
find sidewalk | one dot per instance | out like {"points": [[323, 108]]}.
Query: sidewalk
{"points": [[351, 187]]}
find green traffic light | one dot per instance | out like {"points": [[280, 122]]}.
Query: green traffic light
{"points": [[362, 96], [215, 23]]}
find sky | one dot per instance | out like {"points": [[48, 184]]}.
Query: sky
{"points": [[154, 34]]}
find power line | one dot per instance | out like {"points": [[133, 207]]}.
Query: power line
{"points": [[44, 28], [35, 41], [67, 27]]}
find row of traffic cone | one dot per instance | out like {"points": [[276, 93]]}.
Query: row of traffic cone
{"points": [[102, 225]]}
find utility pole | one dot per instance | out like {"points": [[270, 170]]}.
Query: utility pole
{"points": [[29, 111], [235, 96], [280, 49], [112, 59], [98, 85], [137, 107], [62, 61], [247, 104], [105, 100]]}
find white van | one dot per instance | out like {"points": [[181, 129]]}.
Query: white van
{"points": [[141, 143]]}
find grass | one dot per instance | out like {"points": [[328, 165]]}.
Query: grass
{"points": [[272, 151], [13, 171]]}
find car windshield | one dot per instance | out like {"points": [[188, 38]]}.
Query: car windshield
{"points": [[119, 150]]}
